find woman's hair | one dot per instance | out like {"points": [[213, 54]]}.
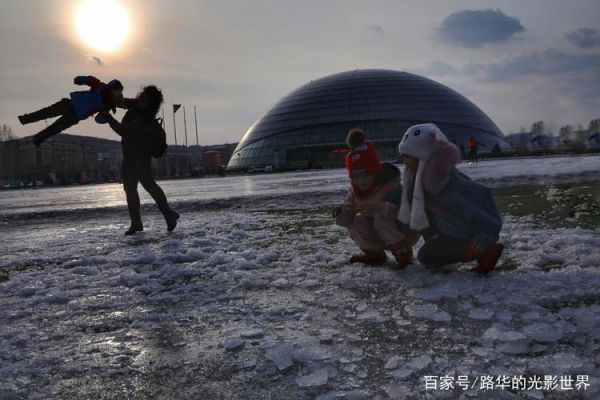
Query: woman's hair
{"points": [[155, 98]]}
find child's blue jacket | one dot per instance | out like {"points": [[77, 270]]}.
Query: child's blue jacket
{"points": [[88, 102]]}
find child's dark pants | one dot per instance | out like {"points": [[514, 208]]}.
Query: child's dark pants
{"points": [[62, 109]]}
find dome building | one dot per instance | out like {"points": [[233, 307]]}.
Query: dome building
{"points": [[308, 127]]}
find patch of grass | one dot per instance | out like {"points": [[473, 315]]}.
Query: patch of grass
{"points": [[303, 226], [28, 267], [508, 264], [571, 301], [335, 240], [302, 221], [561, 205], [146, 241], [3, 276]]}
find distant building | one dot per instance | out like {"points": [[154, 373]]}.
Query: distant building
{"points": [[62, 159], [65, 159], [530, 143], [217, 156], [210, 160], [592, 142], [580, 141], [307, 128]]}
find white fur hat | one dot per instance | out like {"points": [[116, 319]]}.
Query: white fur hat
{"points": [[419, 141]]}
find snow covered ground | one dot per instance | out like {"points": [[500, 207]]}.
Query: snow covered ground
{"points": [[251, 297]]}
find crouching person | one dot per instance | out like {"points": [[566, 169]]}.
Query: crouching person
{"points": [[370, 208], [456, 216]]}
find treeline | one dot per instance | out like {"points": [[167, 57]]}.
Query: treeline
{"points": [[570, 139]]}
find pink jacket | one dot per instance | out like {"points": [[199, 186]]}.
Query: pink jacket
{"points": [[376, 196]]}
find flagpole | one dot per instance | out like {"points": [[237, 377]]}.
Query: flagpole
{"points": [[174, 125], [162, 123], [196, 123], [164, 126], [185, 127]]}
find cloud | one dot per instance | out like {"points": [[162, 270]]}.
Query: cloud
{"points": [[476, 28], [548, 62], [96, 60], [472, 69], [584, 86], [584, 38], [439, 68], [378, 30]]}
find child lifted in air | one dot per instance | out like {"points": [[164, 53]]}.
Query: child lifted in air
{"points": [[371, 206], [82, 104]]}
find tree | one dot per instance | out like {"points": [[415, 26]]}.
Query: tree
{"points": [[537, 128], [594, 125], [496, 151], [6, 133], [565, 132]]}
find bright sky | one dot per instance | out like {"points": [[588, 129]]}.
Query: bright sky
{"points": [[519, 61]]}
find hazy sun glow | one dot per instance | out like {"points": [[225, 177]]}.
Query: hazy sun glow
{"points": [[102, 24]]}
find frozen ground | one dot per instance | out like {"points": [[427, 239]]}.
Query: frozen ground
{"points": [[491, 172], [251, 296]]}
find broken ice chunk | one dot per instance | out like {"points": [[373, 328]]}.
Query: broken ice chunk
{"points": [[326, 335], [480, 313], [281, 283], [316, 379], [427, 311], [281, 355], [234, 343], [544, 333], [252, 334]]}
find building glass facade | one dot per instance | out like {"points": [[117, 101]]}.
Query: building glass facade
{"points": [[307, 127]]}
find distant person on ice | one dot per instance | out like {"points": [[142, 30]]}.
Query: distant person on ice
{"points": [[473, 148], [138, 130], [456, 216], [370, 208], [81, 105]]}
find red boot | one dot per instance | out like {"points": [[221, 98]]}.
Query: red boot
{"points": [[369, 257], [487, 260], [403, 257]]}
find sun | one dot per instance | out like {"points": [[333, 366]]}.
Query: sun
{"points": [[102, 24]]}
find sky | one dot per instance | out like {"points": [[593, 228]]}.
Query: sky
{"points": [[519, 61]]}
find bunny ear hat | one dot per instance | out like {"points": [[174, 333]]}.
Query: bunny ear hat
{"points": [[419, 141]]}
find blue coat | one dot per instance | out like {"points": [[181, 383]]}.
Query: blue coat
{"points": [[464, 209], [88, 102]]}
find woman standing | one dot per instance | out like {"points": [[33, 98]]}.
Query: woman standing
{"points": [[135, 130]]}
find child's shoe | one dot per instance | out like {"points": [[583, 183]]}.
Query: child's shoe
{"points": [[25, 119], [403, 257], [487, 260], [369, 257]]}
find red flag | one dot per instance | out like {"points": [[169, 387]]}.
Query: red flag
{"points": [[176, 107]]}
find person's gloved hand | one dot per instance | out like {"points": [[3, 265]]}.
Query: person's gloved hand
{"points": [[102, 117], [367, 209], [350, 210], [336, 211], [119, 102]]}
